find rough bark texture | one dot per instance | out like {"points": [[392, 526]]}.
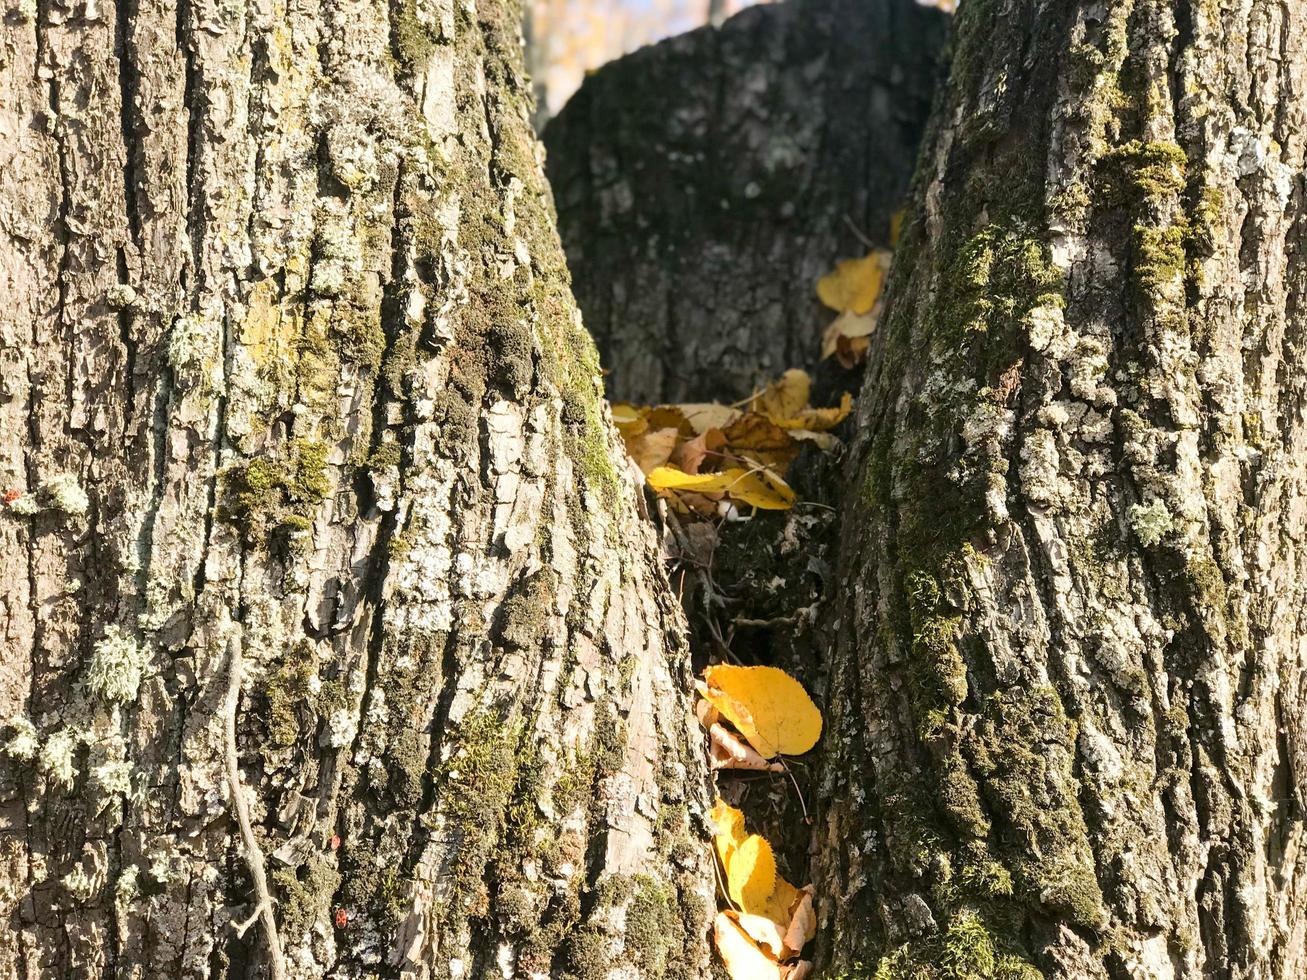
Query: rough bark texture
{"points": [[705, 183], [321, 568], [1066, 712]]}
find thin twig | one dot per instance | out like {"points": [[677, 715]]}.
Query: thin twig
{"points": [[858, 232], [253, 853]]}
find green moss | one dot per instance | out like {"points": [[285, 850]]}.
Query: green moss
{"points": [[526, 610], [653, 932], [304, 894], [385, 456], [1139, 172], [1159, 256], [279, 491], [411, 40], [967, 950], [289, 691]]}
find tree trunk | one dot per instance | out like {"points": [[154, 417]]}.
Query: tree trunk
{"points": [[326, 572], [705, 183], [1066, 711]]}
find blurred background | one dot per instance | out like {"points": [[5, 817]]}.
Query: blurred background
{"points": [[567, 38]]}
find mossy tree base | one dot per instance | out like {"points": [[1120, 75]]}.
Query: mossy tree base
{"points": [[1066, 706]]}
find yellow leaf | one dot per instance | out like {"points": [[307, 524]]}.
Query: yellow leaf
{"points": [[855, 284], [703, 416], [670, 478], [751, 873], [820, 419], [740, 955], [758, 488], [785, 397], [896, 226], [625, 414], [767, 706], [728, 830], [761, 489]]}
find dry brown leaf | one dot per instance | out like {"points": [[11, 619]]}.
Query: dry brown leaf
{"points": [[851, 352], [796, 971], [780, 906], [803, 922], [726, 751], [849, 326], [822, 440], [651, 450], [706, 713], [689, 456], [740, 955], [758, 438]]}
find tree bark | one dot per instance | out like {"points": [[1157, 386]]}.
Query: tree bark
{"points": [[326, 575], [1066, 713], [706, 182]]}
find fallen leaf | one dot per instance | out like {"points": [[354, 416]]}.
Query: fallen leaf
{"points": [[855, 284], [703, 416], [757, 437], [625, 414], [669, 416], [728, 828], [785, 397], [726, 751], [767, 706], [652, 449], [803, 922], [762, 489], [822, 440], [796, 971], [758, 488], [849, 326], [689, 456], [706, 713], [851, 352], [820, 419], [751, 873], [781, 904], [670, 478], [740, 955], [896, 226], [762, 931]]}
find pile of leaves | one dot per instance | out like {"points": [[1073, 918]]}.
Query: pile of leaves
{"points": [[755, 715], [710, 459]]}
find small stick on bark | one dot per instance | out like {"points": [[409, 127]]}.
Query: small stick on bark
{"points": [[253, 853]]}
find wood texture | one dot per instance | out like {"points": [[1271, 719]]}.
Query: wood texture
{"points": [[1066, 709], [308, 455], [706, 182]]}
